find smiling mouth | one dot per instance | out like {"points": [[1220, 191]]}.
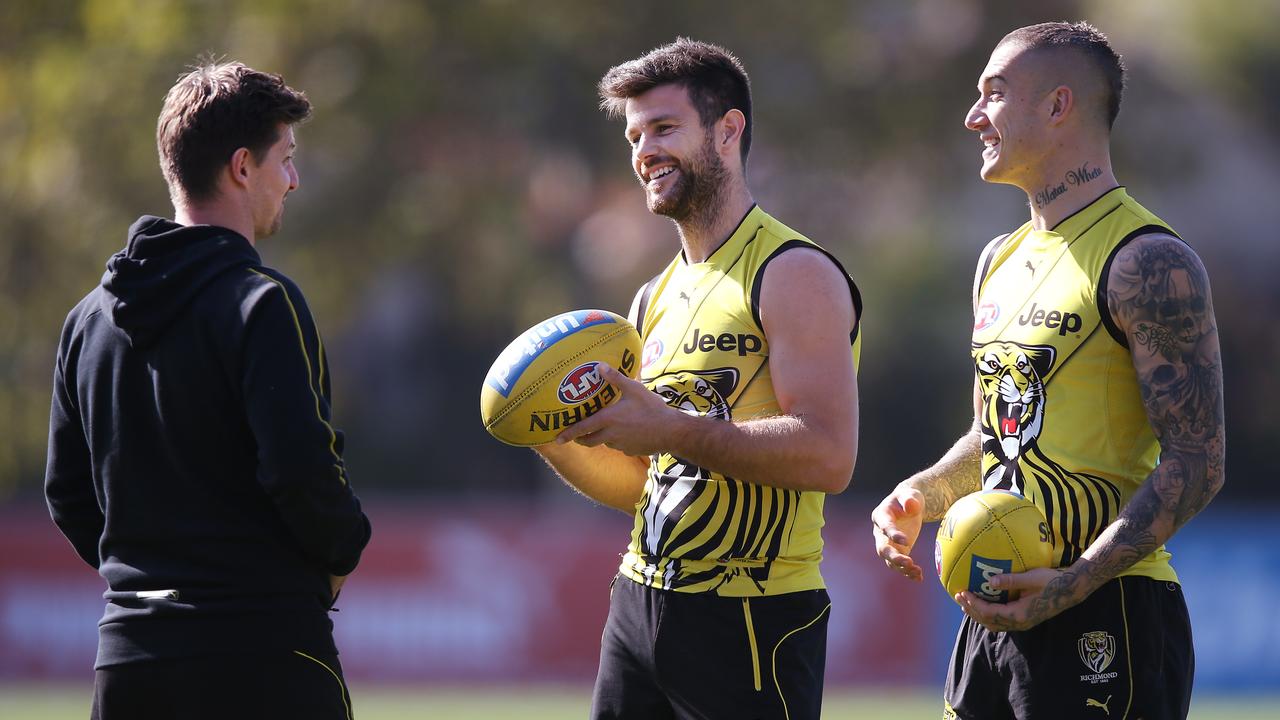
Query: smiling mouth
{"points": [[655, 178]]}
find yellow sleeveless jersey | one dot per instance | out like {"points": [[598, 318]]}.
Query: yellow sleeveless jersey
{"points": [[705, 352], [1062, 419]]}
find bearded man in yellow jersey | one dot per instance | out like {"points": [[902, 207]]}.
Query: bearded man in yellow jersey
{"points": [[1098, 395], [743, 419]]}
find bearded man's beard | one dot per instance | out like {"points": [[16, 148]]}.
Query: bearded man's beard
{"points": [[698, 192]]}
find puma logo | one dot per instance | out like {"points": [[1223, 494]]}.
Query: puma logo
{"points": [[1032, 268], [1090, 702], [685, 298]]}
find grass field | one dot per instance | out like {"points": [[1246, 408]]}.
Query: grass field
{"points": [[62, 702]]}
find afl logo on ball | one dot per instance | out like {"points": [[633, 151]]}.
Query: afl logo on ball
{"points": [[652, 351], [986, 316], [581, 383]]}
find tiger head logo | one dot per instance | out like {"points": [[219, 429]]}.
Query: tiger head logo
{"points": [[1097, 650], [703, 392], [698, 392], [1011, 379]]}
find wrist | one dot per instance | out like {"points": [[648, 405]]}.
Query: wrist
{"points": [[678, 432], [1083, 577]]}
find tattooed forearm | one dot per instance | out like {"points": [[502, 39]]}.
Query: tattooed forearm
{"points": [[1169, 498], [1126, 541], [1133, 536], [1062, 592], [957, 474]]}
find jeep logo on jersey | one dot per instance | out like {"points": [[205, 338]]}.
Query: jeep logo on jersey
{"points": [[1064, 322], [980, 573], [724, 342], [652, 351], [581, 383], [986, 316]]}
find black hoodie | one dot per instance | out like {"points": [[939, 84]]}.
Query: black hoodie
{"points": [[191, 457]]}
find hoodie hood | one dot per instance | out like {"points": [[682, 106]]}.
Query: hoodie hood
{"points": [[163, 266]]}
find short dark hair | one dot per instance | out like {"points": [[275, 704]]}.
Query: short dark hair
{"points": [[714, 78], [214, 110], [1087, 40]]}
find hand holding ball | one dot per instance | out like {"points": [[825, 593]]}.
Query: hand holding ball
{"points": [[988, 533], [546, 379]]}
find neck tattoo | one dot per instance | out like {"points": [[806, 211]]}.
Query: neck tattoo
{"points": [[1074, 178]]}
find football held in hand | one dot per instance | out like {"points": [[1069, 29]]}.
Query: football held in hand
{"points": [[987, 533], [547, 378]]}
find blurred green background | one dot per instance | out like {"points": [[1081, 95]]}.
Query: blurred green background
{"points": [[459, 184]]}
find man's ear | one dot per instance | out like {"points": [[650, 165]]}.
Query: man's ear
{"points": [[240, 166], [1062, 101], [729, 130]]}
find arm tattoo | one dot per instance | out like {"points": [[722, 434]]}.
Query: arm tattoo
{"points": [[1124, 543], [1159, 292], [957, 474]]}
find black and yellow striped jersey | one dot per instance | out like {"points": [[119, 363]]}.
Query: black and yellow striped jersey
{"points": [[1062, 418], [705, 352]]}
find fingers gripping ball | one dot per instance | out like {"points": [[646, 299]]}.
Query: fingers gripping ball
{"points": [[547, 379], [988, 533]]}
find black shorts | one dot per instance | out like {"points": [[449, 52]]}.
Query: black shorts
{"points": [[258, 686], [1125, 652], [698, 655]]}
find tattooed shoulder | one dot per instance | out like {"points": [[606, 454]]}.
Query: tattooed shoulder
{"points": [[1157, 280]]}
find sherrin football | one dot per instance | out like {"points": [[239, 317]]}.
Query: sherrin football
{"points": [[546, 379], [988, 533]]}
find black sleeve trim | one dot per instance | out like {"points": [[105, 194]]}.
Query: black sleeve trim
{"points": [[643, 305], [758, 282], [1104, 310], [984, 263]]}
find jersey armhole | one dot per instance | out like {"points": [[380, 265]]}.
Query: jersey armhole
{"points": [[1104, 309], [984, 265], [640, 304], [758, 281]]}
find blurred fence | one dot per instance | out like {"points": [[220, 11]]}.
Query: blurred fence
{"points": [[452, 594]]}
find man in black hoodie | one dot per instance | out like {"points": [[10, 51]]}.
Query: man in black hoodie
{"points": [[191, 456]]}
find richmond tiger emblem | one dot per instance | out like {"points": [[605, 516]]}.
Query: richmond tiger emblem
{"points": [[1015, 408], [703, 393], [1097, 650], [1011, 378], [699, 393]]}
